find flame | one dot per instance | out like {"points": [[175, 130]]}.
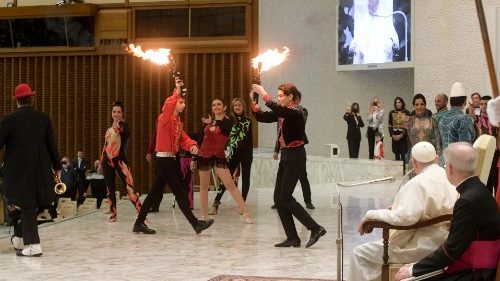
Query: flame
{"points": [[160, 56], [269, 59]]}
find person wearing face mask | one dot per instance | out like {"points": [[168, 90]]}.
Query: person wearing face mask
{"points": [[354, 123], [68, 177], [97, 184], [292, 138]]}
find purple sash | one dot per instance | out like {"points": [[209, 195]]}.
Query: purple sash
{"points": [[479, 255]]}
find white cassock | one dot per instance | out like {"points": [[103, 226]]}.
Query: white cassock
{"points": [[427, 195]]}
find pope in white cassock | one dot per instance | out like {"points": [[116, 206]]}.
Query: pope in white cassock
{"points": [[425, 196]]}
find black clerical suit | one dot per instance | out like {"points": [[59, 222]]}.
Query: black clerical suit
{"points": [[475, 218]]}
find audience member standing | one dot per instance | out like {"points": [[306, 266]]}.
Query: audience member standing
{"points": [[455, 125], [441, 103], [398, 117], [421, 126], [375, 123], [80, 164], [354, 123], [69, 178]]}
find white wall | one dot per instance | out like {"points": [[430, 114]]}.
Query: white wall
{"points": [[448, 46], [308, 28]]}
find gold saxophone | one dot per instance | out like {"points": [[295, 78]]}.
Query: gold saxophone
{"points": [[60, 186]]}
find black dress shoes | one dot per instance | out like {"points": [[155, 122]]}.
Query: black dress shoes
{"points": [[316, 233], [202, 225], [143, 228], [289, 243], [273, 206], [310, 206]]}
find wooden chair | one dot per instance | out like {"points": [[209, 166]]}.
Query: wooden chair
{"points": [[370, 225]]}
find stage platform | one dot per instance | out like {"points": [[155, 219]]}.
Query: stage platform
{"points": [[323, 170], [90, 248]]}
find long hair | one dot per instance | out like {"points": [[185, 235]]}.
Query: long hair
{"points": [[233, 114], [403, 104]]}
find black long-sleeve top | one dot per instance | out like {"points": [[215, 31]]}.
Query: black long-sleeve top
{"points": [[293, 126], [475, 218], [353, 127], [241, 139]]}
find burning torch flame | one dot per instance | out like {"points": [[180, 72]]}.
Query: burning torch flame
{"points": [[160, 56], [270, 58]]}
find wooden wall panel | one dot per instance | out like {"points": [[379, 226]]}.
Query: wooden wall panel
{"points": [[78, 91]]}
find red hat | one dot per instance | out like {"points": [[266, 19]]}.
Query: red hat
{"points": [[23, 90]]}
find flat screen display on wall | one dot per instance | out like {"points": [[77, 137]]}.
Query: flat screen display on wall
{"points": [[374, 34]]}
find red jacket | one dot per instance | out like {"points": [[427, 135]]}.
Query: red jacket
{"points": [[169, 131]]}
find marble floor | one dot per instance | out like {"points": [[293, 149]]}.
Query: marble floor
{"points": [[90, 248]]}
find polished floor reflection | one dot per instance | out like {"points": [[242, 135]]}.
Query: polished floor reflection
{"points": [[89, 248]]}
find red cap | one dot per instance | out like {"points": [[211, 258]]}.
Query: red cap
{"points": [[23, 90]]}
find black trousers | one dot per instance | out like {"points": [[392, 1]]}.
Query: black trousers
{"points": [[28, 227], [232, 165], [353, 145], [292, 166], [371, 140], [306, 188], [167, 173]]}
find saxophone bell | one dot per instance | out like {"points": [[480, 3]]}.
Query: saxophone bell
{"points": [[60, 187]]}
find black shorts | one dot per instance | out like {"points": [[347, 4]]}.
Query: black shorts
{"points": [[206, 164]]}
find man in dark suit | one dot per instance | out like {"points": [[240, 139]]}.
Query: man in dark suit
{"points": [[31, 156], [80, 164], [472, 248]]}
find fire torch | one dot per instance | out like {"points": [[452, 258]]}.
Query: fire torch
{"points": [[264, 62]]}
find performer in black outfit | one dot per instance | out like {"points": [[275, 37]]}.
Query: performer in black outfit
{"points": [[31, 157], [304, 181], [354, 123], [472, 249], [292, 138]]}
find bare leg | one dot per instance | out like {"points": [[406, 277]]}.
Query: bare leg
{"points": [[204, 182], [226, 178]]}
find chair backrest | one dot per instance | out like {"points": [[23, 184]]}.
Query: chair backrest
{"points": [[68, 209], [485, 146]]}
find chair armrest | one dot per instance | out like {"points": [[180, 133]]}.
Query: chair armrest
{"points": [[371, 224]]}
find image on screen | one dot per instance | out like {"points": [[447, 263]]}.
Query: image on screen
{"points": [[374, 31]]}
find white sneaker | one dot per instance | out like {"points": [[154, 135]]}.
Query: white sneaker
{"points": [[17, 242], [32, 250]]}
